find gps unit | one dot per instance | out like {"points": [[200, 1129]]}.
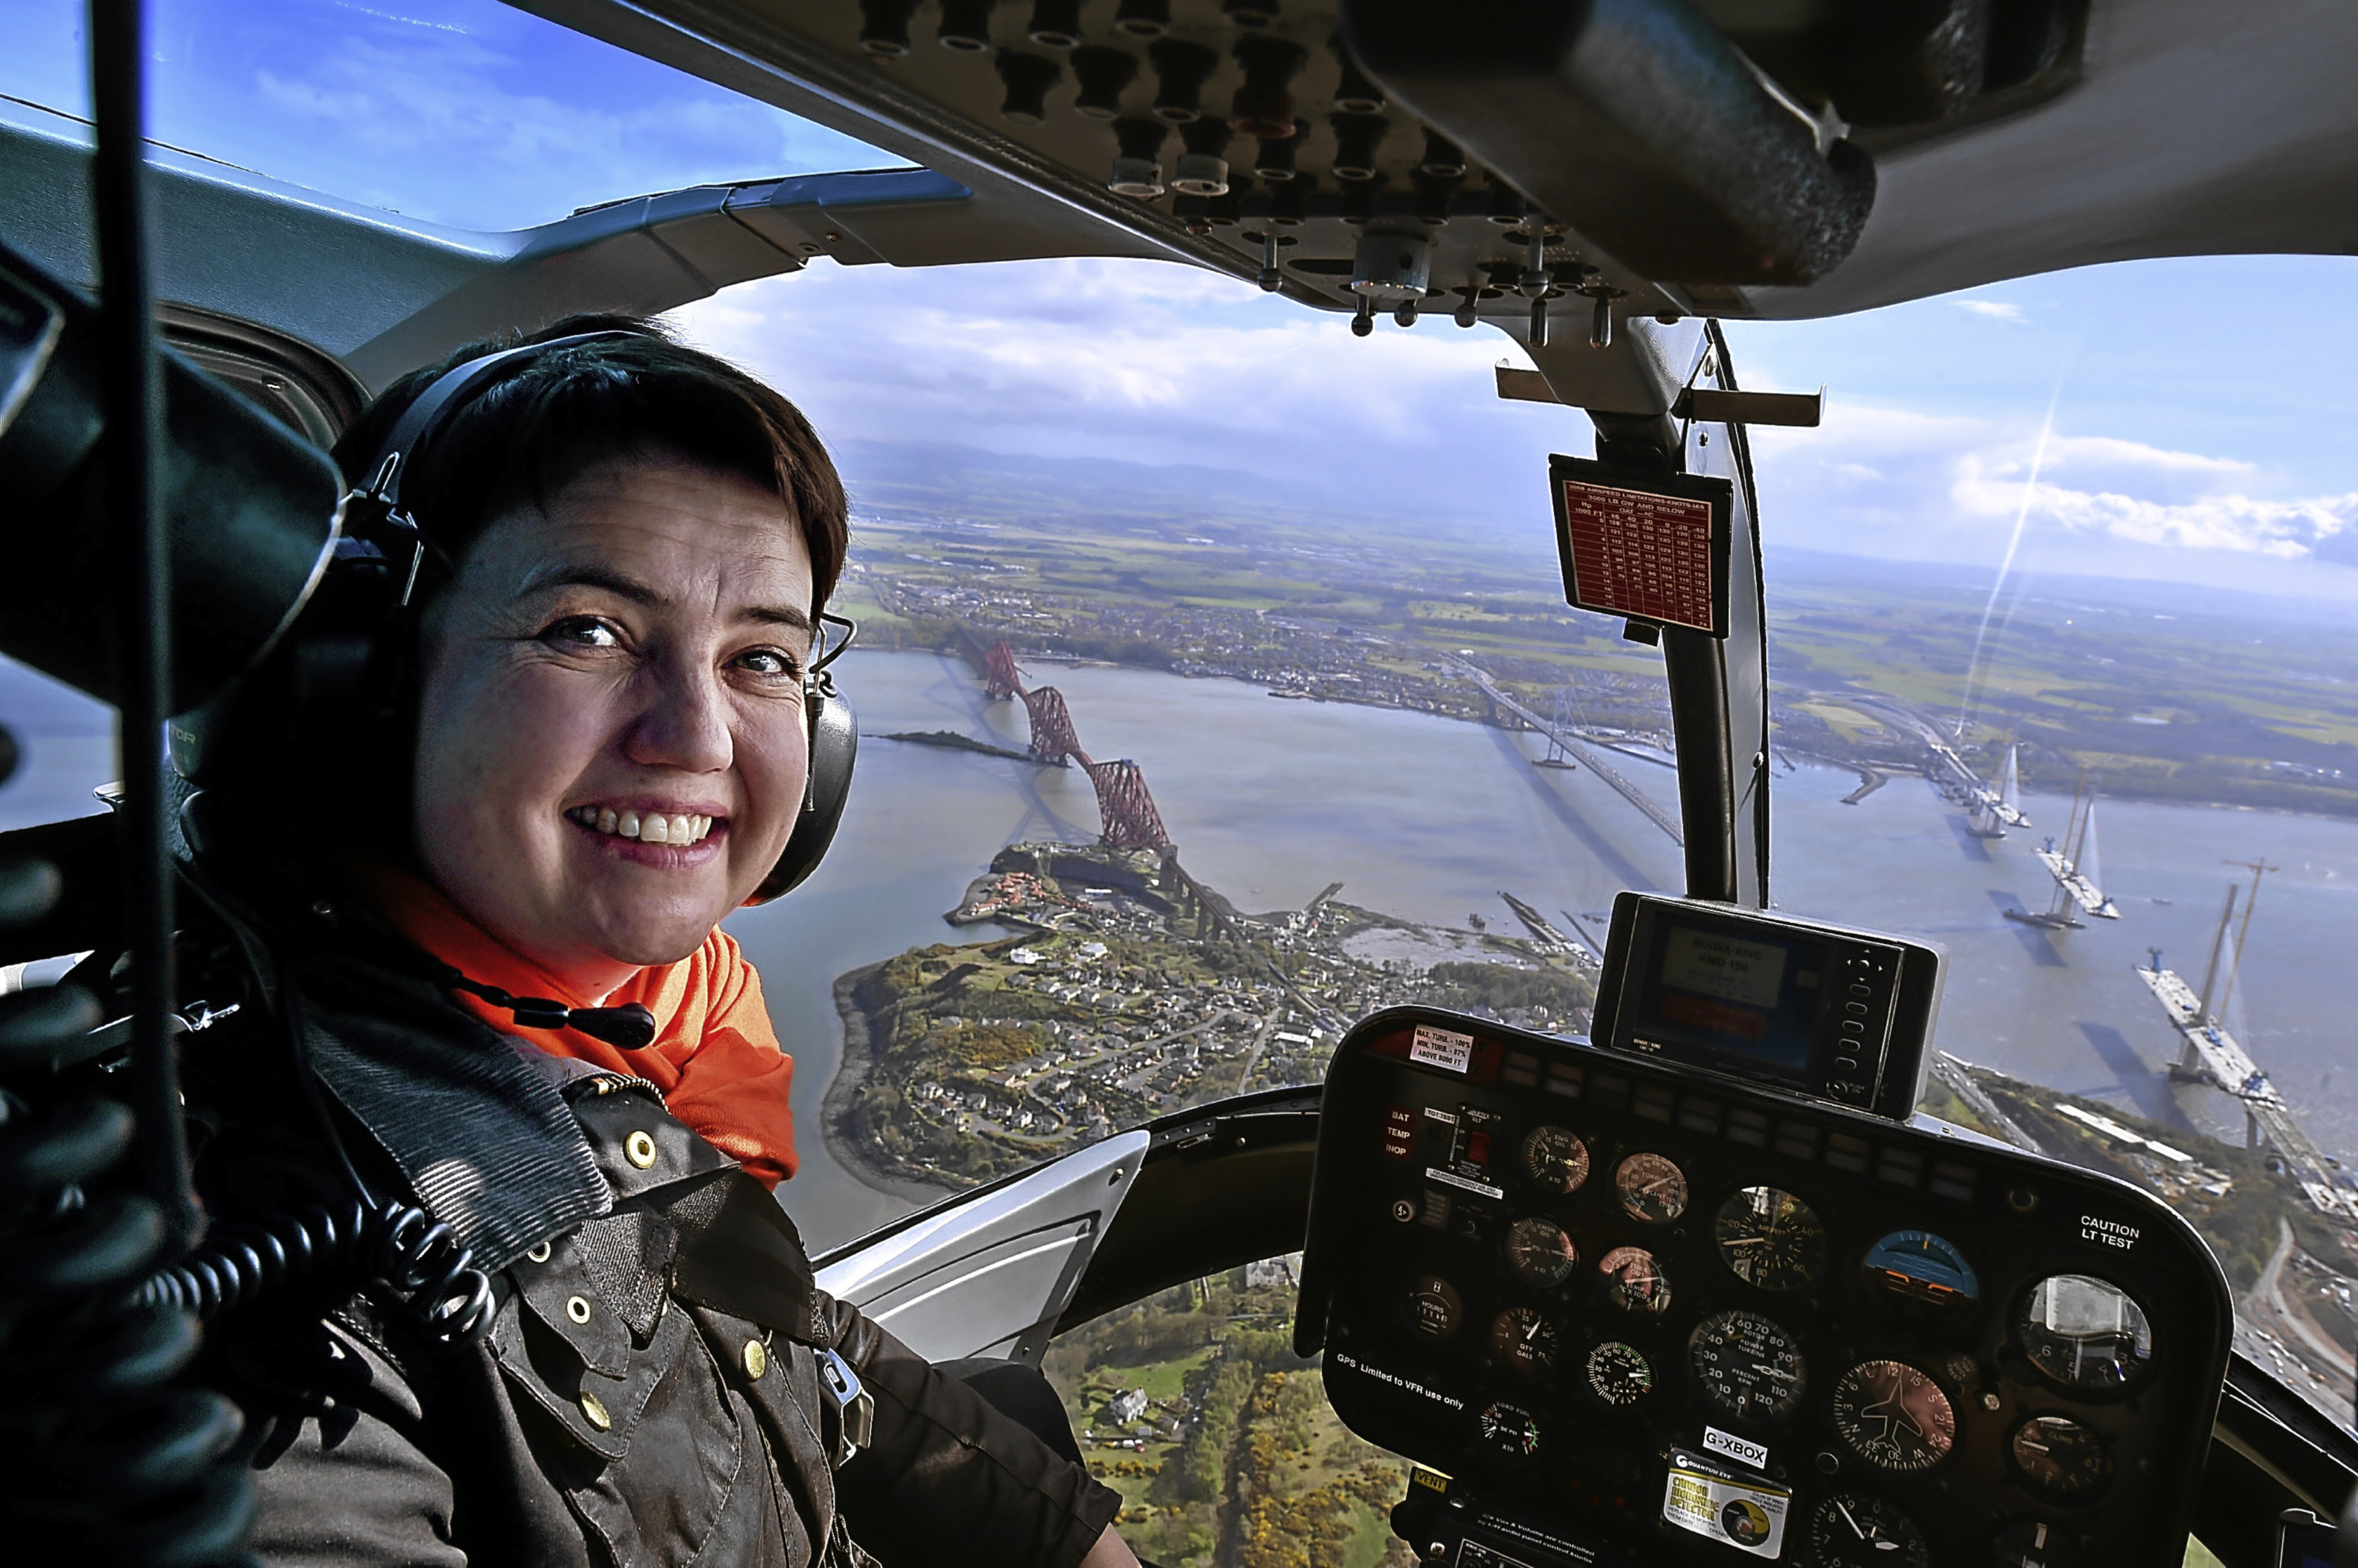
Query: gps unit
{"points": [[1817, 1010]]}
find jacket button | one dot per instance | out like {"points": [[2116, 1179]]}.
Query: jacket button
{"points": [[757, 1361], [640, 1149], [593, 1411], [577, 1309]]}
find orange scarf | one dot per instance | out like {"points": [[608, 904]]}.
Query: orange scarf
{"points": [[715, 1056]]}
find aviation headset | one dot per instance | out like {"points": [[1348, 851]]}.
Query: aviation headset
{"points": [[351, 657]]}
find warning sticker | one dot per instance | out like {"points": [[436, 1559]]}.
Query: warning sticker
{"points": [[1441, 1048], [1743, 1511], [1635, 553]]}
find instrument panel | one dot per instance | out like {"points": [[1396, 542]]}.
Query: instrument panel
{"points": [[1620, 1311]]}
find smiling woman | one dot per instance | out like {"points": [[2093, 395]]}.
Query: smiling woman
{"points": [[465, 113], [502, 958]]}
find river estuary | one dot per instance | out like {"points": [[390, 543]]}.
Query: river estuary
{"points": [[1429, 818]]}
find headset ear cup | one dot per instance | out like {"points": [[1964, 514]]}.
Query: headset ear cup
{"points": [[834, 746]]}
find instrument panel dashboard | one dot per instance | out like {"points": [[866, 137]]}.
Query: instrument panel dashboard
{"points": [[1621, 1310]]}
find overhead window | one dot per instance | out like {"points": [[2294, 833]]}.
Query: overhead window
{"points": [[464, 112]]}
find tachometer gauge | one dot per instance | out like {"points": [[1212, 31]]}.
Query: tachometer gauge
{"points": [[1510, 1432], [1894, 1416], [1523, 1341], [2087, 1335], [1619, 1375], [1769, 1238], [1650, 1189], [1917, 1269], [1434, 1307], [2034, 1543], [1634, 1281], [1540, 1253], [1852, 1529], [1556, 1160], [2060, 1458], [1746, 1366]]}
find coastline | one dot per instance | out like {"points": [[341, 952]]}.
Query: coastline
{"points": [[839, 1114]]}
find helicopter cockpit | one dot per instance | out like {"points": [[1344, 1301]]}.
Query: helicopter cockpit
{"points": [[1665, 1225]]}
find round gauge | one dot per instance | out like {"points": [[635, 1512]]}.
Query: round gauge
{"points": [[2087, 1335], [1433, 1307], [1746, 1366], [1524, 1342], [2060, 1458], [1651, 1188], [2034, 1543], [1555, 1159], [1540, 1253], [1770, 1238], [1852, 1529], [1894, 1416], [1918, 1269], [1618, 1374], [1634, 1281], [1508, 1430]]}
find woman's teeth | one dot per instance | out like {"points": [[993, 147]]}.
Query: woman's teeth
{"points": [[653, 827]]}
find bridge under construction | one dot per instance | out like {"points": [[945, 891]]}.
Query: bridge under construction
{"points": [[2211, 1054]]}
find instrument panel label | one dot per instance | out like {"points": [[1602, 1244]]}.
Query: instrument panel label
{"points": [[1406, 1385], [1752, 1455], [1703, 1498], [1434, 1173], [1635, 553], [1441, 1048]]}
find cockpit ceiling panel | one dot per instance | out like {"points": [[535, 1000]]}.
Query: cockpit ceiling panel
{"points": [[2132, 128]]}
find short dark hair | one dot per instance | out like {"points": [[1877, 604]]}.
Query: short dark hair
{"points": [[645, 394]]}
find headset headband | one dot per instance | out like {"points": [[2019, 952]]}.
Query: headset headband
{"points": [[431, 409]]}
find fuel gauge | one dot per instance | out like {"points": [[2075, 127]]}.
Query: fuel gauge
{"points": [[1523, 1342]]}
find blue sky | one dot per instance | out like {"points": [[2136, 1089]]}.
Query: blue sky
{"points": [[2202, 407]]}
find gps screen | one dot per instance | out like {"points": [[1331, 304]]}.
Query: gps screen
{"points": [[1735, 994]]}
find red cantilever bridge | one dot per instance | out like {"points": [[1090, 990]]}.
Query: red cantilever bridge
{"points": [[1131, 821]]}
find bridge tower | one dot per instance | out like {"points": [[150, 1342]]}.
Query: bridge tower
{"points": [[1125, 810], [999, 677], [1053, 736]]}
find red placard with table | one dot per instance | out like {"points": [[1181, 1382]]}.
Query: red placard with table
{"points": [[1650, 547]]}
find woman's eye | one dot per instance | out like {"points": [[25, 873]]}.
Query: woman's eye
{"points": [[582, 631], [769, 662]]}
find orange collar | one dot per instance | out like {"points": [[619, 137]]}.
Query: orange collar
{"points": [[715, 1056]]}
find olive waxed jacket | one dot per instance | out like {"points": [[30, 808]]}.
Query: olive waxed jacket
{"points": [[650, 1389]]}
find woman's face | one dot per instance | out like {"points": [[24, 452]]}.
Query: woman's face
{"points": [[629, 660]]}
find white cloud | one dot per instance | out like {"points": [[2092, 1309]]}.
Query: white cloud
{"points": [[1145, 362], [1995, 309], [1155, 363]]}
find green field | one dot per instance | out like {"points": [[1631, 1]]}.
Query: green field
{"points": [[2189, 703]]}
